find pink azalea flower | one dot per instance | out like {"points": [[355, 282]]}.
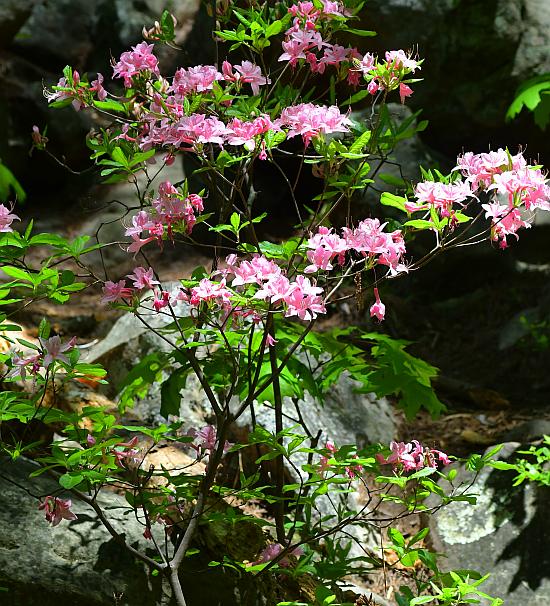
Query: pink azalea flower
{"points": [[20, 365], [252, 74], [309, 120], [273, 550], [143, 278], [97, 87], [139, 60], [57, 509], [6, 219], [114, 291], [400, 60], [404, 92], [377, 309], [412, 456], [54, 349]]}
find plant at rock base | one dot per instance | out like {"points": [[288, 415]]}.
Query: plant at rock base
{"points": [[249, 328]]}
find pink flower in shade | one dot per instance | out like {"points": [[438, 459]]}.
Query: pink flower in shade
{"points": [[335, 9], [57, 509], [6, 219], [143, 278], [377, 309], [404, 92], [90, 440], [252, 74], [373, 87], [139, 60], [412, 456], [54, 349], [334, 54], [71, 93], [273, 550], [114, 291], [367, 64], [206, 439], [270, 341], [21, 364], [126, 454], [97, 87], [161, 300]]}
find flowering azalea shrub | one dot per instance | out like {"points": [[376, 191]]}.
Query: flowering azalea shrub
{"points": [[245, 327]]}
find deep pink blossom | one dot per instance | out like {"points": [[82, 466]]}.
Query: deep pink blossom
{"points": [[114, 291], [377, 309], [57, 509]]}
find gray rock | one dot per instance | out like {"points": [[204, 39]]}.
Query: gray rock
{"points": [[78, 562], [13, 14], [506, 533], [75, 562]]}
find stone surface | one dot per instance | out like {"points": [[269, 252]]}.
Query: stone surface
{"points": [[76, 562], [506, 533]]}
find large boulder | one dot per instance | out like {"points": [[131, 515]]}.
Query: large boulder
{"points": [[506, 533]]}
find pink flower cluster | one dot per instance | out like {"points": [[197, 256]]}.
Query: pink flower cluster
{"points": [[310, 120], [273, 550], [169, 210], [301, 298], [352, 471], [57, 509], [368, 239], [388, 74], [140, 60], [514, 186], [52, 349], [303, 41], [80, 92], [441, 196], [412, 456], [206, 439], [515, 183], [199, 129]]}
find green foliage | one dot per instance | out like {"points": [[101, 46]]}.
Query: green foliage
{"points": [[534, 95], [9, 185], [534, 467]]}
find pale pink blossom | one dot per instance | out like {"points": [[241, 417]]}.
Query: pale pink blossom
{"points": [[143, 278], [54, 349], [252, 74], [273, 550], [6, 219]]}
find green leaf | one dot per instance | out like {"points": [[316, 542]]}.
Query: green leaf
{"points": [[396, 537], [420, 224], [388, 199], [70, 480]]}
